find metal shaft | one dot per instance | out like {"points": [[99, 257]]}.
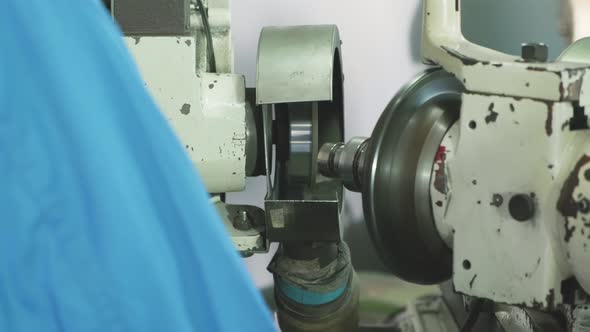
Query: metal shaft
{"points": [[344, 161]]}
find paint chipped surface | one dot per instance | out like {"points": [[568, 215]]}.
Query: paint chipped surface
{"points": [[467, 61], [571, 83], [185, 109], [549, 121], [440, 179], [492, 115], [567, 205], [208, 121]]}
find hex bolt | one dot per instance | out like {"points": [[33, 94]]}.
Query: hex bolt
{"points": [[241, 221], [521, 207], [534, 52]]}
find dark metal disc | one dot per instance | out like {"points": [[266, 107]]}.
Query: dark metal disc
{"points": [[396, 194]]}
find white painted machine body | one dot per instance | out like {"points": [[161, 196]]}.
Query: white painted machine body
{"points": [[513, 137], [206, 110]]}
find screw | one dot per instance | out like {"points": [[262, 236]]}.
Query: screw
{"points": [[242, 221], [497, 200], [534, 52]]}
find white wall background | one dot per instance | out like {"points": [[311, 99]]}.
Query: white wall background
{"points": [[380, 54]]}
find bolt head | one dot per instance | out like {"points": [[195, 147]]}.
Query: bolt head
{"points": [[534, 52], [521, 207]]}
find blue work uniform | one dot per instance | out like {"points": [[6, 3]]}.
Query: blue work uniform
{"points": [[104, 223]]}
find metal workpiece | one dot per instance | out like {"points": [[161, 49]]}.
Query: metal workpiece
{"points": [[345, 162], [302, 131], [316, 294], [304, 96], [396, 189]]}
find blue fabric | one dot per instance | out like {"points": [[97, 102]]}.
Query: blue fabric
{"points": [[104, 225]]}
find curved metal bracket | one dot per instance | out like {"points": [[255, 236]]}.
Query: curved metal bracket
{"points": [[296, 64], [300, 80]]}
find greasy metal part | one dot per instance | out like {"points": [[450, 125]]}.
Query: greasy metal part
{"points": [[345, 162], [324, 252], [581, 316], [456, 302], [327, 158], [396, 191], [427, 314], [245, 225], [534, 52], [340, 316], [152, 17], [501, 317], [515, 319], [301, 205], [295, 64], [318, 292]]}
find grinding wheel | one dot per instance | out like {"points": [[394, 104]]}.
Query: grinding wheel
{"points": [[396, 194]]}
